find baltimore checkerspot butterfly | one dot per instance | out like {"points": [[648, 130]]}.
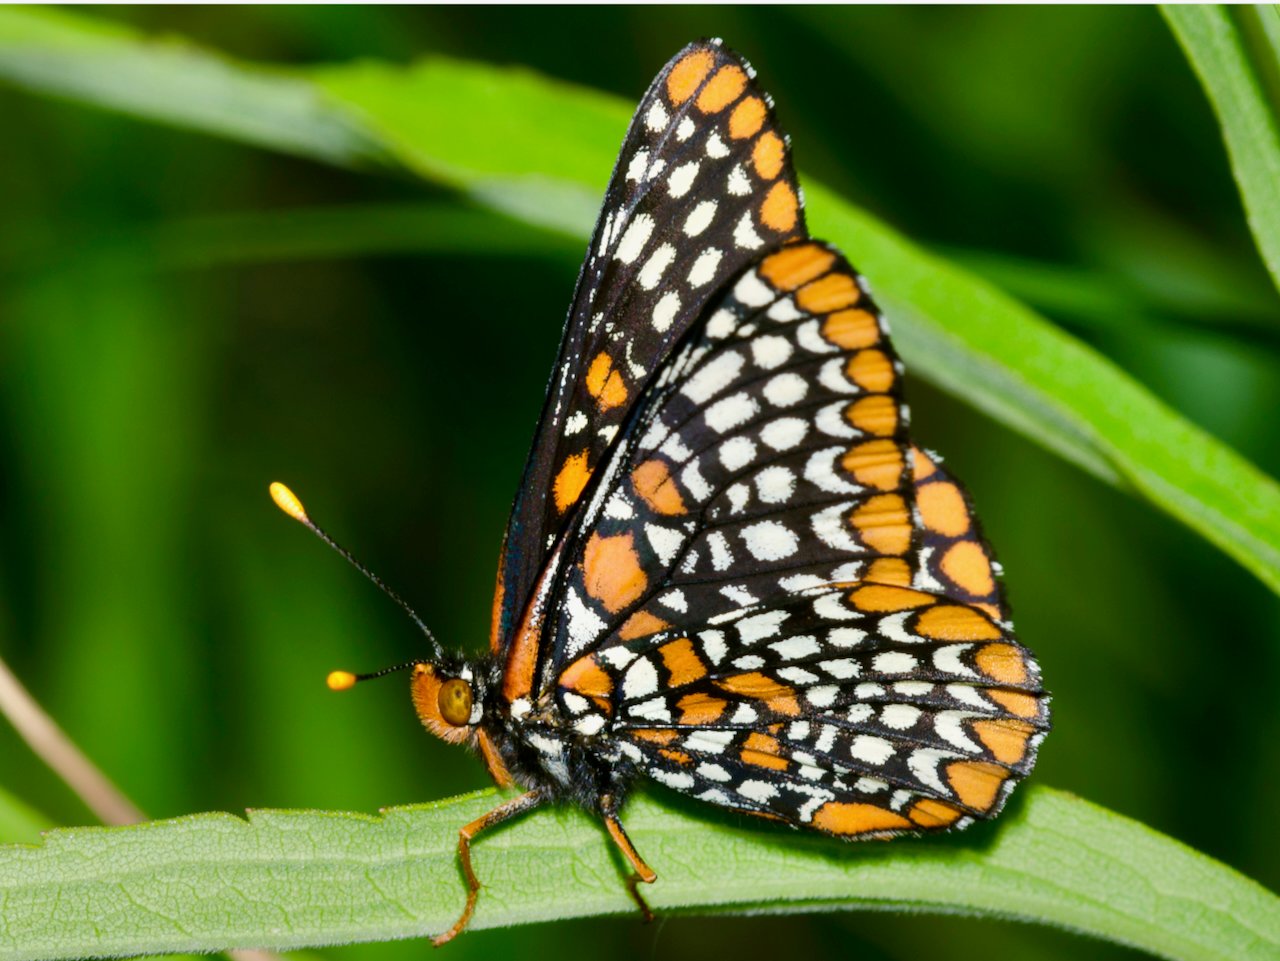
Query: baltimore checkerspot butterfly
{"points": [[728, 568]]}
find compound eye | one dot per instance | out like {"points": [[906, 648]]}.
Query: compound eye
{"points": [[455, 702]]}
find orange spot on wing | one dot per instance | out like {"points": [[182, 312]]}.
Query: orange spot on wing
{"points": [[871, 370], [876, 414], [604, 383], [883, 524], [776, 696], [768, 155], [747, 118], [942, 506], [883, 599], [763, 751], [876, 463], [682, 661], [851, 329], [924, 465], [570, 481], [611, 571], [832, 292], [688, 72], [796, 265], [653, 735], [700, 709], [976, 783], [1005, 739], [1016, 702], [678, 756], [929, 813], [838, 817], [722, 89], [889, 570], [641, 624], [585, 676], [966, 565], [1003, 663], [951, 622], [780, 207], [653, 483]]}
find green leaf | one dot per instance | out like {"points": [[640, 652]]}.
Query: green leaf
{"points": [[1236, 53], [292, 879], [456, 123]]}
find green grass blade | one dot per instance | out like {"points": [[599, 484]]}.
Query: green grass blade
{"points": [[95, 62], [456, 123], [1236, 53], [295, 879]]}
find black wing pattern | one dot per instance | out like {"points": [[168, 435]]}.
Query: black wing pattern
{"points": [[730, 562], [703, 184]]}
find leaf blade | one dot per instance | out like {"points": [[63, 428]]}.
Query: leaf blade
{"points": [[1236, 55], [294, 879]]}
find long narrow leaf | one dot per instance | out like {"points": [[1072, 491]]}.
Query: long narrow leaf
{"points": [[293, 879], [1236, 54]]}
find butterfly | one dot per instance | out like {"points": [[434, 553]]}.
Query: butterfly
{"points": [[728, 569]]}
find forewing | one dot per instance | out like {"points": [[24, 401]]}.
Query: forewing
{"points": [[858, 709], [702, 186]]}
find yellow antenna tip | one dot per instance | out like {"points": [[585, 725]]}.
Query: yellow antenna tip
{"points": [[340, 680], [288, 502]]}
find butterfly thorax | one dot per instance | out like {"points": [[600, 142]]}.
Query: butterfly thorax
{"points": [[461, 702]]}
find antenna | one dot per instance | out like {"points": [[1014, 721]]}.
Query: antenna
{"points": [[288, 502], [345, 680]]}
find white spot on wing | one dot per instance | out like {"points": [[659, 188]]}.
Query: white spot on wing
{"points": [[745, 235], [681, 179], [770, 541], [752, 291], [713, 377], [786, 389], [657, 118], [760, 626], [703, 270], [664, 541], [577, 420], [770, 351], [872, 750], [639, 163], [775, 485], [665, 310], [634, 239], [657, 264], [784, 433], [700, 218], [731, 412]]}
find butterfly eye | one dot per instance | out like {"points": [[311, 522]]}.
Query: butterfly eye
{"points": [[454, 700]]}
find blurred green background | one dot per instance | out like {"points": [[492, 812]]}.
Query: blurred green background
{"points": [[175, 333]]}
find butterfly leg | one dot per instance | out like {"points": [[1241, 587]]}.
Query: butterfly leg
{"points": [[503, 812], [641, 872]]}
